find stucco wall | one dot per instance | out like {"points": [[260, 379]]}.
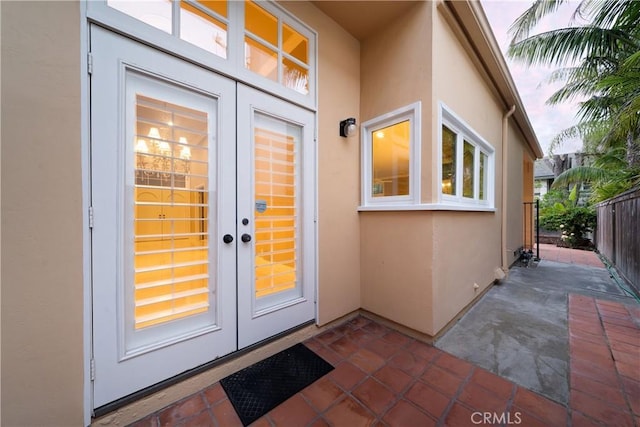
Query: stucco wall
{"points": [[466, 245], [396, 246], [515, 210], [42, 324], [338, 160]]}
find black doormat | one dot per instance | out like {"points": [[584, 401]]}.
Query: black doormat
{"points": [[256, 390]]}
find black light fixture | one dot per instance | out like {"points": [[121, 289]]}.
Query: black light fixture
{"points": [[348, 127]]}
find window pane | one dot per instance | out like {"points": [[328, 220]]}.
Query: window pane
{"points": [[390, 156], [295, 44], [260, 22], [467, 172], [295, 77], [155, 13], [202, 30], [260, 59], [448, 161], [218, 6], [483, 176], [276, 145], [171, 256]]}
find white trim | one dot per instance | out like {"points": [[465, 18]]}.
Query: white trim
{"points": [[464, 132], [85, 164], [412, 113], [427, 207]]}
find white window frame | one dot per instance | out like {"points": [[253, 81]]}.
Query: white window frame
{"points": [[99, 12], [464, 132], [412, 113]]}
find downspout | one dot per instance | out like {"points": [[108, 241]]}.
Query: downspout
{"points": [[503, 220]]}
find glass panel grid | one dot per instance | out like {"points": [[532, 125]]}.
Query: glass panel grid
{"points": [[171, 257]]}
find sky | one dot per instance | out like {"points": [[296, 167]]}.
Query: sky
{"points": [[547, 120]]}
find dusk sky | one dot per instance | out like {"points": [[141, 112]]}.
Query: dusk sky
{"points": [[547, 120]]}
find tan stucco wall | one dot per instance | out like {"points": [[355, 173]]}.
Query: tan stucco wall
{"points": [[338, 160], [42, 293], [396, 246], [515, 210], [466, 245], [396, 267]]}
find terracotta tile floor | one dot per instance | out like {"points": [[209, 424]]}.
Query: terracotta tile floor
{"points": [[569, 256], [383, 377]]}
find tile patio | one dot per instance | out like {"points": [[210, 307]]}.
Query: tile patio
{"points": [[385, 378]]}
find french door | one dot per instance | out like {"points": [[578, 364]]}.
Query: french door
{"points": [[203, 202]]}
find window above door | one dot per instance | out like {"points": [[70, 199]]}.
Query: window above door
{"points": [[256, 42]]}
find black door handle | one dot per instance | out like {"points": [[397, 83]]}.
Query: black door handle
{"points": [[227, 238], [246, 238]]}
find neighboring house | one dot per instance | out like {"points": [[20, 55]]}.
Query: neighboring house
{"points": [[176, 188], [543, 177], [548, 168]]}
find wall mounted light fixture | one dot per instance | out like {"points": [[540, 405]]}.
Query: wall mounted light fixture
{"points": [[348, 127]]}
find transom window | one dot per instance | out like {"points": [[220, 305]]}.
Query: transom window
{"points": [[391, 158], [466, 163], [274, 49], [254, 40]]}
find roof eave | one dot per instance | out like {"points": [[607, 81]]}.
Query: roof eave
{"points": [[474, 22]]}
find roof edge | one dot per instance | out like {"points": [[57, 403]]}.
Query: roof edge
{"points": [[475, 25]]}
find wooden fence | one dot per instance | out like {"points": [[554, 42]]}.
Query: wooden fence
{"points": [[618, 234]]}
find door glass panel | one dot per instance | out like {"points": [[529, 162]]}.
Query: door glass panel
{"points": [[155, 12], [276, 211], [199, 27], [171, 256]]}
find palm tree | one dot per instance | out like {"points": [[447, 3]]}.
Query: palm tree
{"points": [[600, 62]]}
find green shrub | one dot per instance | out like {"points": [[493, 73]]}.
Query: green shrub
{"points": [[558, 212]]}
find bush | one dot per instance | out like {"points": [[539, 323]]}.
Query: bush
{"points": [[573, 222], [558, 212]]}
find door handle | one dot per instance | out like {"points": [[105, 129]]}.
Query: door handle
{"points": [[227, 238], [246, 238]]}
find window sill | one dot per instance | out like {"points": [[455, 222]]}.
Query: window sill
{"points": [[427, 207]]}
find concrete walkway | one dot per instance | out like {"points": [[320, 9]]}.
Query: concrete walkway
{"points": [[519, 329]]}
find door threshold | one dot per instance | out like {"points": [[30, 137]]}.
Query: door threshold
{"points": [[170, 390]]}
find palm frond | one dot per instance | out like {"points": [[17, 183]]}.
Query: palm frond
{"points": [[569, 45], [522, 26], [579, 175]]}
